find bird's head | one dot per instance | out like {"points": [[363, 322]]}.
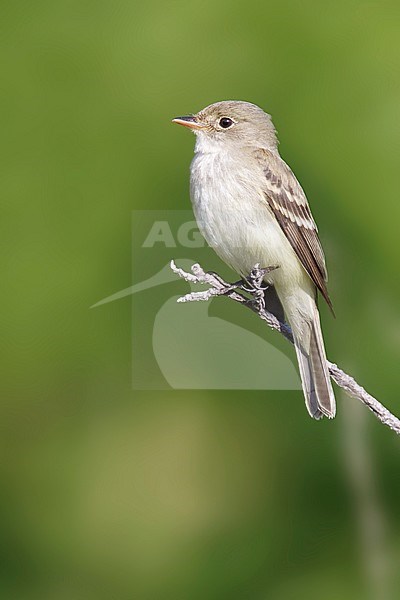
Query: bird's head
{"points": [[231, 123]]}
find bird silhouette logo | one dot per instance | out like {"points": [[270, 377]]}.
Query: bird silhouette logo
{"points": [[195, 350]]}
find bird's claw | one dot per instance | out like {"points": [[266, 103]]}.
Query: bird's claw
{"points": [[253, 284]]}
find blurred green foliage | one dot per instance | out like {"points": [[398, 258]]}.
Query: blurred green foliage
{"points": [[108, 492]]}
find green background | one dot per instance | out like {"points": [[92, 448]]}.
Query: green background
{"points": [[110, 492]]}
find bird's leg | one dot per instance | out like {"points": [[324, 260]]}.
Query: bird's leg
{"points": [[252, 284], [255, 281]]}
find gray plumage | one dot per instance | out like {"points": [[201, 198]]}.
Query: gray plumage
{"points": [[251, 209]]}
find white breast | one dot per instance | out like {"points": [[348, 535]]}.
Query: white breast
{"points": [[235, 219]]}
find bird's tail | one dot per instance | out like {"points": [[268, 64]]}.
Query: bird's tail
{"points": [[317, 388]]}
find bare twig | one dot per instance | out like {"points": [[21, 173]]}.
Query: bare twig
{"points": [[219, 287]]}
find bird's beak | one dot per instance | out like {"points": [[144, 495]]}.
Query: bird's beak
{"points": [[189, 121]]}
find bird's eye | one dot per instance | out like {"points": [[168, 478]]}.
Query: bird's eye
{"points": [[225, 122]]}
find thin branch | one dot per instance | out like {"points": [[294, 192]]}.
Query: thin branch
{"points": [[219, 287]]}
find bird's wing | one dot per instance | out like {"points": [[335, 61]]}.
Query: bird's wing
{"points": [[289, 204]]}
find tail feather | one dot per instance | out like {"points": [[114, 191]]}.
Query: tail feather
{"points": [[317, 387]]}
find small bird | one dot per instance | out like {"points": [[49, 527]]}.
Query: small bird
{"points": [[251, 209]]}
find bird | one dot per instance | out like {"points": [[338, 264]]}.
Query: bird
{"points": [[251, 209]]}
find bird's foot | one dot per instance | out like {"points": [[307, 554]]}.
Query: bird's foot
{"points": [[256, 284], [257, 275], [253, 284], [255, 280]]}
